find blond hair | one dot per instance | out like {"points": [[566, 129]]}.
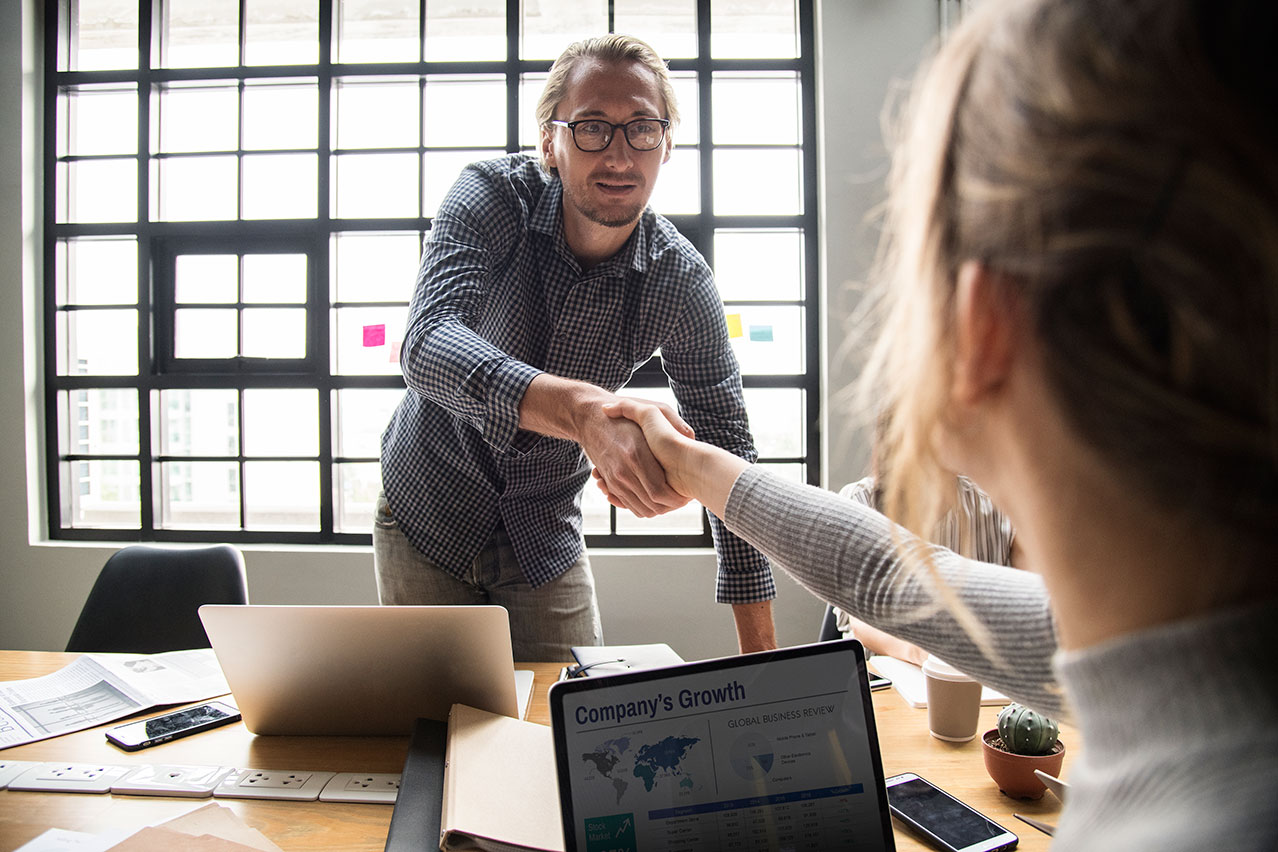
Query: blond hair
{"points": [[1114, 163], [611, 49]]}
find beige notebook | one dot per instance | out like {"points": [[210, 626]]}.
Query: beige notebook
{"points": [[500, 792]]}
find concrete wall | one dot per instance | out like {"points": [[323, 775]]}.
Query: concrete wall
{"points": [[645, 596]]}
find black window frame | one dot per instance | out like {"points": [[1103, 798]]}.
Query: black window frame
{"points": [[157, 241]]}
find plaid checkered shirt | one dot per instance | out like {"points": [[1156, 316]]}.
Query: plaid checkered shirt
{"points": [[500, 299]]}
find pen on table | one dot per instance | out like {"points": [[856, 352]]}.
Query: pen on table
{"points": [[1049, 830]]}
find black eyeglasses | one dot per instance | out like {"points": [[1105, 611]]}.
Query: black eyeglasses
{"points": [[592, 134]]}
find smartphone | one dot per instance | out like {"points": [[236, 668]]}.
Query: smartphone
{"points": [[942, 820], [878, 681], [180, 723]]}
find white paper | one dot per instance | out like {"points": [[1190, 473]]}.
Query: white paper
{"points": [[61, 840], [99, 688]]}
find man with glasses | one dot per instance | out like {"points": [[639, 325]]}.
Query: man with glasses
{"points": [[543, 286]]}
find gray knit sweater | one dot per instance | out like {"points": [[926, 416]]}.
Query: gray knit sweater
{"points": [[1180, 722]]}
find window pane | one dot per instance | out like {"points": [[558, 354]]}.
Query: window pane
{"points": [[356, 486], [754, 265], [104, 35], [198, 33], [549, 26], [465, 111], [670, 27], [98, 191], [98, 421], [767, 341], [281, 422], [360, 416], [378, 113], [98, 120], [208, 279], [199, 495], [101, 494], [686, 94], [595, 515], [101, 271], [370, 267], [275, 278], [281, 495], [281, 32], [199, 422], [754, 28], [678, 188], [196, 188], [530, 86], [205, 334], [473, 30], [280, 186], [756, 109], [97, 343], [441, 170], [375, 185], [366, 341], [274, 333], [777, 416], [375, 31], [197, 117], [683, 521], [281, 115], [757, 182]]}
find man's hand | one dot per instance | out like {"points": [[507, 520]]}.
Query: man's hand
{"points": [[624, 465]]}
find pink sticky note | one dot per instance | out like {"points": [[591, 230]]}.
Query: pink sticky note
{"points": [[374, 335], [394, 352]]}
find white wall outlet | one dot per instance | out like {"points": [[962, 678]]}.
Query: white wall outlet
{"points": [[380, 787], [167, 779], [10, 769], [296, 785], [69, 778]]}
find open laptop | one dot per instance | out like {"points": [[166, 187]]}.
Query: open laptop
{"points": [[361, 670], [775, 750]]}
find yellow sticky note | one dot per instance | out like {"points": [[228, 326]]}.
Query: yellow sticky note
{"points": [[734, 325]]}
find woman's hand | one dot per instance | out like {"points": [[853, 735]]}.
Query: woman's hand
{"points": [[694, 469]]}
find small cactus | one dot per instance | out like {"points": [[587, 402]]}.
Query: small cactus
{"points": [[1025, 732]]}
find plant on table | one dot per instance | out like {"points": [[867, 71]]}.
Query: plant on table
{"points": [[1023, 741]]}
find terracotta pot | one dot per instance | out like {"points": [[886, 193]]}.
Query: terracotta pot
{"points": [[1014, 773]]}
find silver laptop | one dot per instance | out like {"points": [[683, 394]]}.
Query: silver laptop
{"points": [[361, 670]]}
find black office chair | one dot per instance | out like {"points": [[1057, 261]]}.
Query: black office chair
{"points": [[146, 599], [829, 626]]}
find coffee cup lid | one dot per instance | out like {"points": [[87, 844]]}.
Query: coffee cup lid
{"points": [[937, 668]]}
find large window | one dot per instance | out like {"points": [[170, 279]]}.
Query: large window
{"points": [[236, 194]]}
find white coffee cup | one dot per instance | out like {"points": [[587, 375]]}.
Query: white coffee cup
{"points": [[953, 701]]}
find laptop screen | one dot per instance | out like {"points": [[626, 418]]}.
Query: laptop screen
{"points": [[775, 750]]}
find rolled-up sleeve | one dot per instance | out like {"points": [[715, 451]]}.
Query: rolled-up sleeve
{"points": [[443, 358]]}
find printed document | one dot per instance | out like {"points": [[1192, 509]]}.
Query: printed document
{"points": [[100, 688]]}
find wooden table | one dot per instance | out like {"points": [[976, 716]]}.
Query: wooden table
{"points": [[904, 742]]}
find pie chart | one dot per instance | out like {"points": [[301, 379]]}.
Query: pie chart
{"points": [[751, 756]]}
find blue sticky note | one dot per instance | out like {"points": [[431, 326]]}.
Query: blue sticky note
{"points": [[761, 333]]}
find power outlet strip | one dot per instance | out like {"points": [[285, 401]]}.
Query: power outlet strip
{"points": [[10, 769], [380, 787], [69, 778], [297, 785], [166, 779]]}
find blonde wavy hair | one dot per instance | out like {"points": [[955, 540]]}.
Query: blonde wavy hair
{"points": [[608, 48], [1115, 163]]}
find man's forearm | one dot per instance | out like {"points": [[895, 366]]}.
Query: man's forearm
{"points": [[755, 630], [553, 406]]}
